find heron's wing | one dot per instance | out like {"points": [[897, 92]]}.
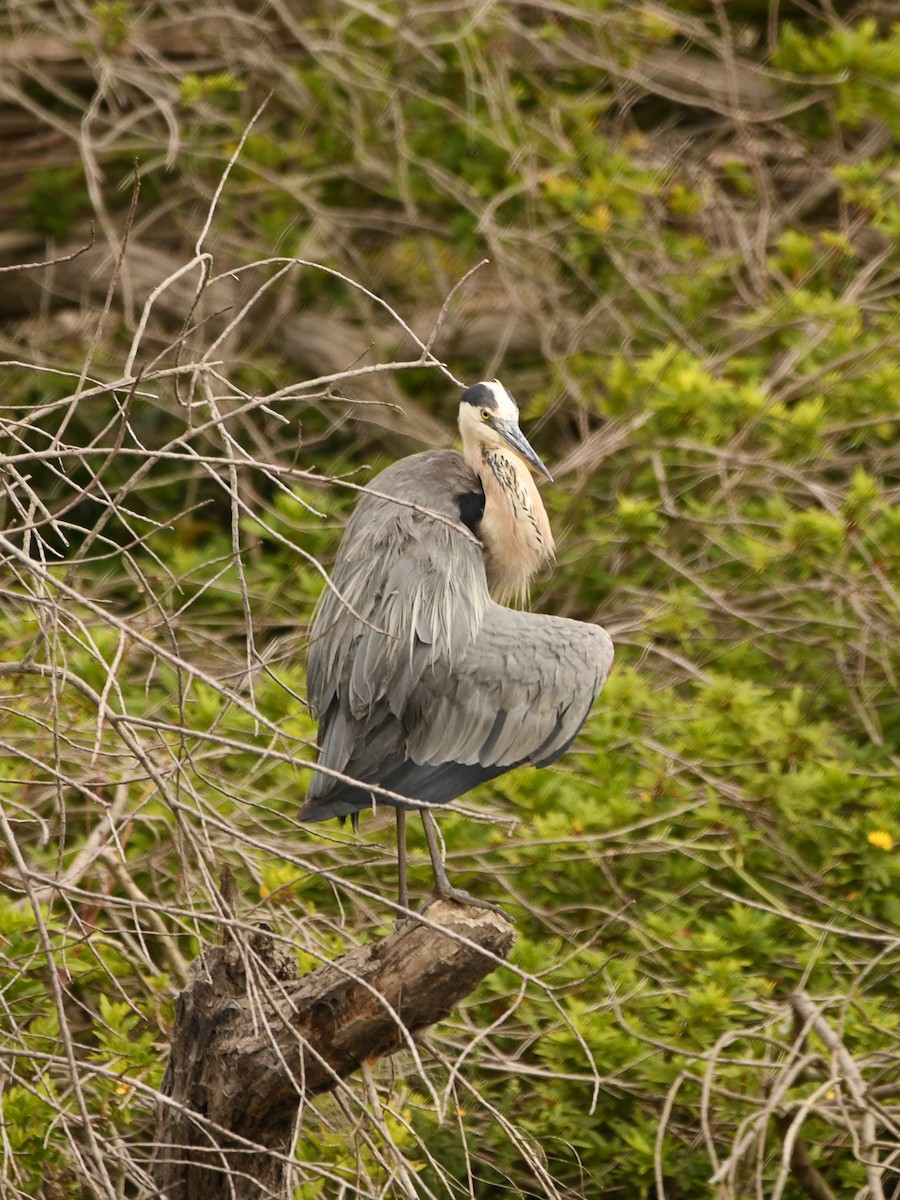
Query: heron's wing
{"points": [[409, 593], [520, 694]]}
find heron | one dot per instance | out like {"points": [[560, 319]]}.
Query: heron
{"points": [[424, 681]]}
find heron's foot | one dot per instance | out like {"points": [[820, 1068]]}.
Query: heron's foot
{"points": [[458, 896], [443, 889]]}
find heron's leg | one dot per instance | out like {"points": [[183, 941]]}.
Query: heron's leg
{"points": [[402, 888], [442, 888], [441, 882]]}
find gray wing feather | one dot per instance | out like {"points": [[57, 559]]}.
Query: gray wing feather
{"points": [[520, 694], [409, 591], [417, 581]]}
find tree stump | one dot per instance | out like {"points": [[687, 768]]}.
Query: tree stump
{"points": [[251, 1041]]}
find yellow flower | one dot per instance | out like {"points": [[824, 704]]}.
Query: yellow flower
{"points": [[598, 220], [882, 839]]}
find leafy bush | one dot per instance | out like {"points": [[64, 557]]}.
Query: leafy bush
{"points": [[693, 225]]}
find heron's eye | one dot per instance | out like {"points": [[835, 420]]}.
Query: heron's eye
{"points": [[485, 414]]}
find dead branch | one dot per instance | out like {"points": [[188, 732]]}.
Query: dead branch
{"points": [[251, 1042], [802, 1167], [848, 1070]]}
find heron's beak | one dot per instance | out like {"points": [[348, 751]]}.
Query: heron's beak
{"points": [[514, 437]]}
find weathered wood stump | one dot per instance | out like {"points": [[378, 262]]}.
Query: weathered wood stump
{"points": [[251, 1041]]}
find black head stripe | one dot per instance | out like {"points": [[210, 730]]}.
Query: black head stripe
{"points": [[479, 395], [471, 508]]}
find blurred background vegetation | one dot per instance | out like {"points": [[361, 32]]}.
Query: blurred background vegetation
{"points": [[222, 229]]}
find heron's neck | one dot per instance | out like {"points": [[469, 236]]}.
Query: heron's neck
{"points": [[515, 530]]}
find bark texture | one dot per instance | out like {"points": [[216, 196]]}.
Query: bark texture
{"points": [[251, 1041]]}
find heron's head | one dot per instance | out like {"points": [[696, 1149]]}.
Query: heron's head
{"points": [[488, 417]]}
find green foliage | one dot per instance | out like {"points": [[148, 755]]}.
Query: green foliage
{"points": [[195, 88], [862, 61], [702, 322], [55, 198], [114, 18]]}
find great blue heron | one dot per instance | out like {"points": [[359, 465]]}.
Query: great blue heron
{"points": [[423, 682]]}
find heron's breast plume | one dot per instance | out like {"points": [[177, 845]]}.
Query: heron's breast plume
{"points": [[515, 529]]}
